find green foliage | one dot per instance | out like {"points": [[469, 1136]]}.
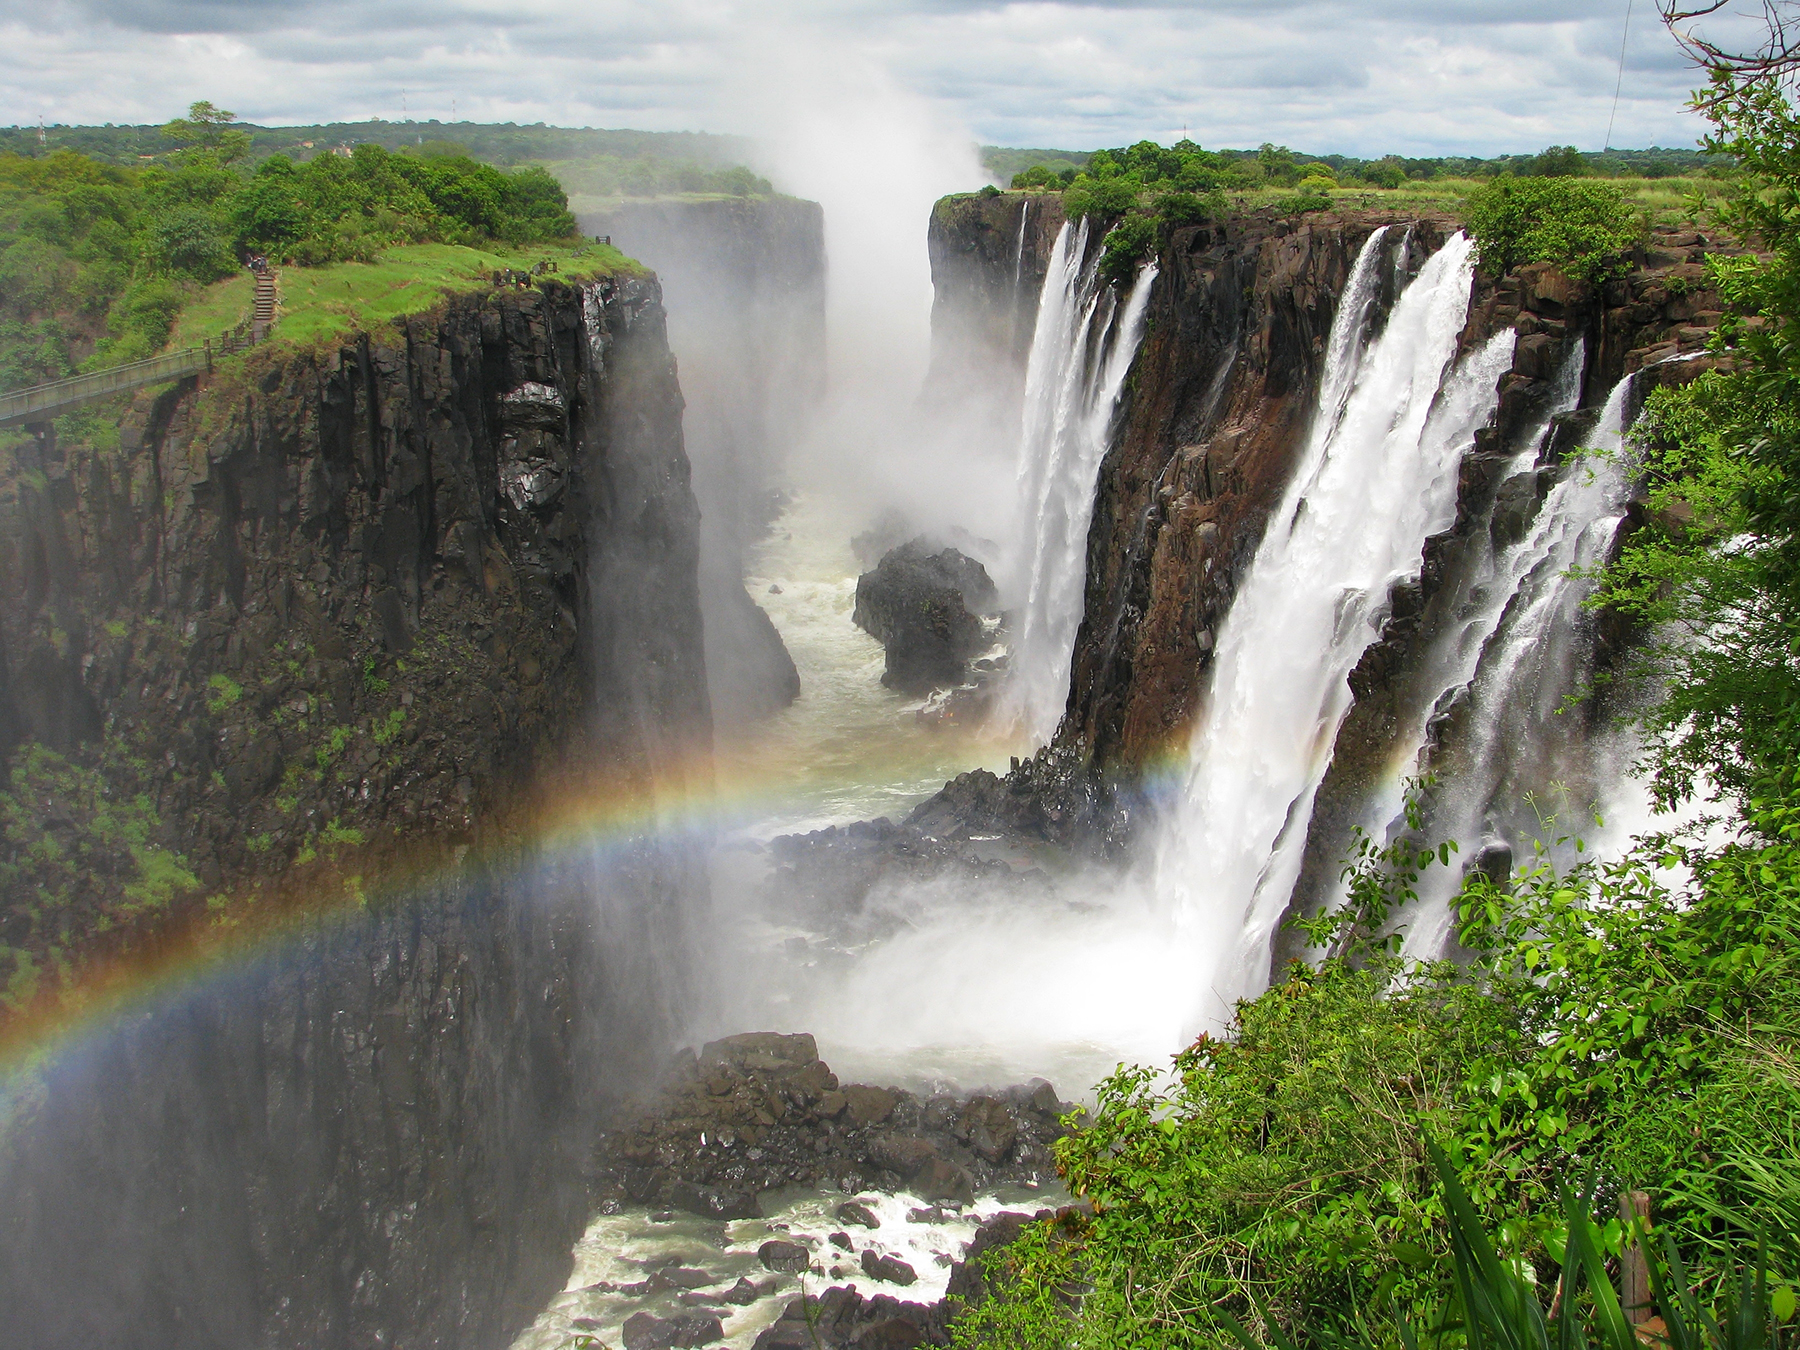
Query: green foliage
{"points": [[1583, 227], [96, 261], [386, 729], [223, 692], [1560, 161], [82, 854], [1126, 244], [1715, 573], [1602, 1024]]}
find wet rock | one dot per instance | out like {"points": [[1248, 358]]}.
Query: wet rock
{"points": [[854, 1211], [842, 1317], [933, 1214], [754, 1113], [680, 1277], [924, 607], [988, 1127], [870, 1105], [842, 1242], [887, 1267], [787, 1257], [712, 1204], [644, 1331], [742, 1294]]}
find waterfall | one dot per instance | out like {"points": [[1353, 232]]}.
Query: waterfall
{"points": [[1486, 583], [1081, 350], [1377, 477], [1532, 656]]}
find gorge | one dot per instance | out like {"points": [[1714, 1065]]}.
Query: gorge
{"points": [[467, 605]]}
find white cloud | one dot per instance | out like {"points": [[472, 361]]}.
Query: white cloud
{"points": [[1414, 76]]}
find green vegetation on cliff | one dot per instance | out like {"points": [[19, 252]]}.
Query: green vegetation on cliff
{"points": [[98, 262]]}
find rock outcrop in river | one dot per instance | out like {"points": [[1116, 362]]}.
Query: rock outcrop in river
{"points": [[925, 606]]}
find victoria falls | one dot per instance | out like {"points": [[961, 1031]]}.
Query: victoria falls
{"points": [[820, 733]]}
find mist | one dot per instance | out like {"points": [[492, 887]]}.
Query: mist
{"points": [[835, 127]]}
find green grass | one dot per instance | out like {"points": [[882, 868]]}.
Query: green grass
{"points": [[321, 302]]}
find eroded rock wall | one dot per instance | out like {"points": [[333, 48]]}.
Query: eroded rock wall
{"points": [[342, 610], [744, 284]]}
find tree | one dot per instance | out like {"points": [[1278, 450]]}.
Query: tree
{"points": [[209, 130], [1560, 161], [1582, 226]]}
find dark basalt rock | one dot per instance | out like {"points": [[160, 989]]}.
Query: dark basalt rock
{"points": [[841, 1317], [924, 607], [789, 1257], [852, 1212], [748, 1114], [887, 1267], [646, 1332]]}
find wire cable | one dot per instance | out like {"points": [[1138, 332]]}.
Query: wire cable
{"points": [[1620, 82]]}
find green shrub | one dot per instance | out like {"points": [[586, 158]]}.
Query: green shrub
{"points": [[1580, 225], [1190, 208], [1127, 243], [1112, 195]]}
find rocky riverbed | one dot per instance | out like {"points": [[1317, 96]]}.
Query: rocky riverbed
{"points": [[756, 1193]]}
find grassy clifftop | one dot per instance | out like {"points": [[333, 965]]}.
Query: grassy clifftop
{"points": [[322, 302]]}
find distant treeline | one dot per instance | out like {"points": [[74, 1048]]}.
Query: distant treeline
{"points": [[589, 161], [1278, 166], [502, 143]]}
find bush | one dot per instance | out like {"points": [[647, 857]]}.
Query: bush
{"points": [[1580, 225], [1190, 208], [1112, 195], [1126, 243]]}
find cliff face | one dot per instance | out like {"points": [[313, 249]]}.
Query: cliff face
{"points": [[988, 259], [744, 283], [1217, 407], [333, 613], [1662, 309]]}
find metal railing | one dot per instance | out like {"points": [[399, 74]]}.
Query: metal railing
{"points": [[41, 402]]}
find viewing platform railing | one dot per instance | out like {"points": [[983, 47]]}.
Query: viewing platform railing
{"points": [[41, 402]]}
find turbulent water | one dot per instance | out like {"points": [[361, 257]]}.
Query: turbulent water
{"points": [[848, 748], [627, 1247], [1378, 475], [1081, 350]]}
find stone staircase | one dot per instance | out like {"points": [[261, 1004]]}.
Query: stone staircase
{"points": [[262, 309]]}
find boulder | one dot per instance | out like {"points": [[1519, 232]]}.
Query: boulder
{"points": [[787, 1257], [924, 607], [988, 1128], [870, 1105], [646, 1332], [854, 1211], [713, 1204], [889, 1268]]}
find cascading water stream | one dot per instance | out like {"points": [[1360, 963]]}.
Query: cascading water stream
{"points": [[1081, 350], [1377, 477], [1489, 580], [1531, 659]]}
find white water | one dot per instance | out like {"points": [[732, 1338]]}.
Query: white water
{"points": [[623, 1248], [1529, 661], [1377, 477], [848, 748], [1492, 576], [1081, 350]]}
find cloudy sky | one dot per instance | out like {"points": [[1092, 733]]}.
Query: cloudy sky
{"points": [[1352, 76]]}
